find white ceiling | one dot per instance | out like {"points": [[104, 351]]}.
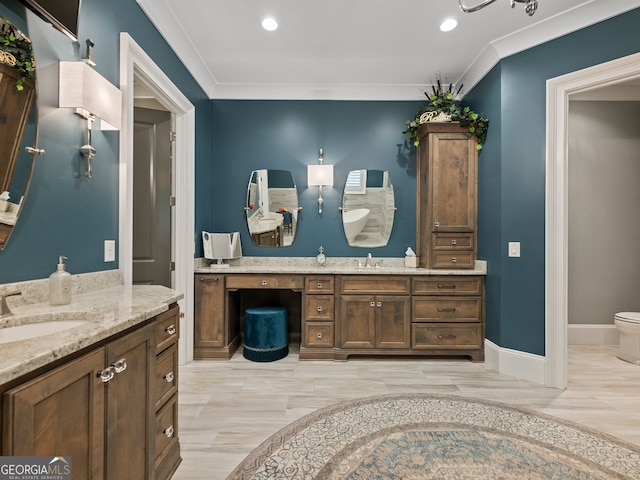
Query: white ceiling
{"points": [[355, 49]]}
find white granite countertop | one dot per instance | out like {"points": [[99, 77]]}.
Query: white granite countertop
{"points": [[107, 312], [333, 266]]}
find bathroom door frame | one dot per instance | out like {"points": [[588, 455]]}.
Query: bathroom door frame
{"points": [[559, 89], [135, 63]]}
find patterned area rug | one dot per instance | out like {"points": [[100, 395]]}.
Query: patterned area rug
{"points": [[437, 437]]}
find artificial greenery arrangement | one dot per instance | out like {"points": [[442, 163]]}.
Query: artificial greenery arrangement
{"points": [[16, 50], [441, 103]]}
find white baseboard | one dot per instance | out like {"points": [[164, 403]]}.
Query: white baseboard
{"points": [[526, 366], [588, 334]]}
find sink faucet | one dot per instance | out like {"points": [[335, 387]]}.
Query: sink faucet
{"points": [[5, 311], [369, 260]]}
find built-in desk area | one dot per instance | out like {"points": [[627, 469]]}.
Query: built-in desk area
{"points": [[340, 310]]}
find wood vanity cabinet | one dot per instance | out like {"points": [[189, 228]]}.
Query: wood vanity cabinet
{"points": [[373, 313], [101, 408], [212, 338], [446, 196]]}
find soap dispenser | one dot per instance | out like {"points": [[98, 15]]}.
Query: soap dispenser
{"points": [[60, 285]]}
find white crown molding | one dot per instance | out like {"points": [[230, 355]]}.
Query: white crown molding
{"points": [[554, 27]]}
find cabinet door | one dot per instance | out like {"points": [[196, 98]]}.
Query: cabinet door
{"points": [[130, 408], [60, 413], [357, 321], [209, 312], [453, 181], [393, 321]]}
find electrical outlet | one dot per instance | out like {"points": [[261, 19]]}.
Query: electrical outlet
{"points": [[514, 249], [109, 250]]}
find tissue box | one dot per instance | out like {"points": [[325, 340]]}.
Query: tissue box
{"points": [[411, 262], [4, 205]]}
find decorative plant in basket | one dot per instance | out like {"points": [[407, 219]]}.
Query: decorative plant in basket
{"points": [[16, 50], [443, 107]]}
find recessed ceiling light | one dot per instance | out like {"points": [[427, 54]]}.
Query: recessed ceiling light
{"points": [[269, 24], [448, 25]]}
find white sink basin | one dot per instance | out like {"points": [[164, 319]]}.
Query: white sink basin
{"points": [[39, 329]]}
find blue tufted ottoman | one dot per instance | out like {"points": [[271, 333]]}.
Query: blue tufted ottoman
{"points": [[265, 334]]}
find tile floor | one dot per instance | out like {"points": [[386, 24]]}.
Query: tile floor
{"points": [[227, 408]]}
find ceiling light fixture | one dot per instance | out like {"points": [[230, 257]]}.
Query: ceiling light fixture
{"points": [[269, 24], [530, 6], [448, 25]]}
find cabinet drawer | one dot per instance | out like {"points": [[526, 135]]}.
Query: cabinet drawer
{"points": [[453, 241], [265, 281], [318, 334], [446, 336], [167, 427], [167, 329], [447, 309], [450, 285], [318, 285], [319, 307], [166, 375], [375, 284], [452, 259]]}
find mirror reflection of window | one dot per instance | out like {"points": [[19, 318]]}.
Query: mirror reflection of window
{"points": [[368, 208], [272, 208]]}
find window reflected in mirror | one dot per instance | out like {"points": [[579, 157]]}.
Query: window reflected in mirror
{"points": [[272, 208], [368, 208]]}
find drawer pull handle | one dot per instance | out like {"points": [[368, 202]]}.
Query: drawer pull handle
{"points": [[264, 283], [169, 377], [373, 304], [319, 309], [120, 365], [446, 337], [171, 329], [446, 285], [454, 259], [379, 304], [169, 431], [446, 309], [319, 285], [107, 374], [207, 279], [318, 335], [454, 242]]}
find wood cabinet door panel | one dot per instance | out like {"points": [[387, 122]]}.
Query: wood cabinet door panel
{"points": [[293, 282], [210, 321], [167, 329], [60, 413], [447, 309], [166, 429], [452, 259], [130, 414], [318, 334], [318, 284], [166, 383], [319, 307], [393, 325], [453, 241], [357, 321], [375, 284]]}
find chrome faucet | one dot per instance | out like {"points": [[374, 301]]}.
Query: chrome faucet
{"points": [[5, 311]]}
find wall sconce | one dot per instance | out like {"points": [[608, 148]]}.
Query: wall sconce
{"points": [[92, 96], [318, 176]]}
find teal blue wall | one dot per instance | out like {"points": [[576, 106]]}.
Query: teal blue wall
{"points": [[65, 213], [287, 135], [512, 172]]}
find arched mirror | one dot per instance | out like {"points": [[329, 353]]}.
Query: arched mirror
{"points": [[18, 119], [368, 208], [272, 208]]}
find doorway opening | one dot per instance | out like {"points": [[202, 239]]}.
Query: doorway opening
{"points": [[559, 91], [136, 65]]}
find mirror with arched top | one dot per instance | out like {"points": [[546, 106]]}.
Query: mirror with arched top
{"points": [[272, 208], [368, 208], [18, 118]]}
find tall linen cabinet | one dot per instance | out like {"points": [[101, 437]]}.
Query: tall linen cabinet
{"points": [[447, 196]]}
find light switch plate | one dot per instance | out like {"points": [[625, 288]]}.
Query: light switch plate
{"points": [[109, 250], [514, 249]]}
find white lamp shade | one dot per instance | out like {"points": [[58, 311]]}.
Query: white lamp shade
{"points": [[320, 175], [82, 87]]}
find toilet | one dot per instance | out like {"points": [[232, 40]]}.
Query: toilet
{"points": [[628, 324]]}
